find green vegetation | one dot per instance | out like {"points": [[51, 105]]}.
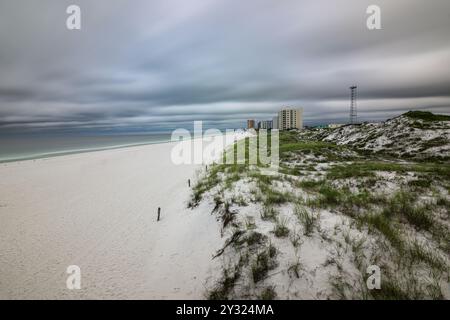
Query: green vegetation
{"points": [[226, 284], [420, 183], [390, 202], [391, 289], [444, 202], [309, 146], [227, 215], [269, 213], [426, 116], [250, 223], [384, 225], [274, 197], [402, 204], [295, 239], [310, 184], [265, 261], [268, 293], [205, 184], [329, 196], [320, 150], [281, 230], [419, 253], [294, 268], [307, 219], [255, 238], [368, 169]]}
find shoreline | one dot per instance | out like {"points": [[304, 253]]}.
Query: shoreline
{"points": [[48, 155], [79, 151]]}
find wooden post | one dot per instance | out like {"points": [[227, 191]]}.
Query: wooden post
{"points": [[189, 183], [206, 167], [159, 213]]}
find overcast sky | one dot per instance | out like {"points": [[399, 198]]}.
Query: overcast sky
{"points": [[140, 65]]}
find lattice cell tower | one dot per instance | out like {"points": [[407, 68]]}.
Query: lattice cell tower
{"points": [[353, 104]]}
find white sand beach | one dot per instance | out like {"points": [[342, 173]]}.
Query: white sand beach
{"points": [[98, 210]]}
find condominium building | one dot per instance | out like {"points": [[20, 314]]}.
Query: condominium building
{"points": [[265, 124], [275, 123], [290, 119], [250, 124]]}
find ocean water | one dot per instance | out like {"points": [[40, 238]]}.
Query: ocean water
{"points": [[33, 147]]}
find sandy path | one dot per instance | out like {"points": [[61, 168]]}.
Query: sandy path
{"points": [[98, 211]]}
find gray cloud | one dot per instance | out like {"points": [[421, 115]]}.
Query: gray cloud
{"points": [[161, 64]]}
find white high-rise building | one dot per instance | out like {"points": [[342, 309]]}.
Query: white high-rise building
{"points": [[290, 119], [275, 123], [266, 124]]}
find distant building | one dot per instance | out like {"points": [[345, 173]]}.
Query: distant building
{"points": [[250, 124], [335, 125], [266, 124], [290, 119], [275, 123]]}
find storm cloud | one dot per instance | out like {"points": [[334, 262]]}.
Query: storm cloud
{"points": [[145, 65]]}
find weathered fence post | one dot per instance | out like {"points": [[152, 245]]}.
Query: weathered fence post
{"points": [[159, 213]]}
